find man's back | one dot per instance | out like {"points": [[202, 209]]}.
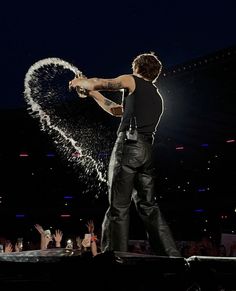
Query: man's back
{"points": [[145, 104]]}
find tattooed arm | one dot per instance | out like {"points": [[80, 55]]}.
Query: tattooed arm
{"points": [[93, 85], [98, 84], [106, 104]]}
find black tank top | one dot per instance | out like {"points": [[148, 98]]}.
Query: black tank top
{"points": [[146, 104]]}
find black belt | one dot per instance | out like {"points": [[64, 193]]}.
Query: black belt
{"points": [[141, 137]]}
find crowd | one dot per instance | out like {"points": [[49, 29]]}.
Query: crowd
{"points": [[90, 243]]}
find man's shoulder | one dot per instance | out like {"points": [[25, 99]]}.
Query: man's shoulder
{"points": [[126, 77], [127, 81]]}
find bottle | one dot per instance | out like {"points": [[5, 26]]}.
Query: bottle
{"points": [[69, 244]]}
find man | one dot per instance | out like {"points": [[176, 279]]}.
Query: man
{"points": [[130, 174]]}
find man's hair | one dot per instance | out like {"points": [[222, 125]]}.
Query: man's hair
{"points": [[148, 66]]}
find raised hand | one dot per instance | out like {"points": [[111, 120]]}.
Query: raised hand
{"points": [[39, 229], [58, 237], [8, 247], [90, 226]]}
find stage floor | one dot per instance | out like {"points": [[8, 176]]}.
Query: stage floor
{"points": [[54, 268]]}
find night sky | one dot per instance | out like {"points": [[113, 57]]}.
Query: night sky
{"points": [[101, 38]]}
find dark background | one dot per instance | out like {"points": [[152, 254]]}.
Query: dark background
{"points": [[196, 184]]}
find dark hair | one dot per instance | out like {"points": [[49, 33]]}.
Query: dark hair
{"points": [[148, 66]]}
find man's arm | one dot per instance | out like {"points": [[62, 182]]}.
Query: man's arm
{"points": [[98, 84], [106, 104]]}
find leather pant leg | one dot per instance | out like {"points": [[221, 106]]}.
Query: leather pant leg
{"points": [[158, 231], [159, 234], [131, 167], [115, 227]]}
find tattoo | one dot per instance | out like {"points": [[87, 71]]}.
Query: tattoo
{"points": [[107, 102], [109, 86], [112, 86]]}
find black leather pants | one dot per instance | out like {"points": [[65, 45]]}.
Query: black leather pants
{"points": [[131, 168]]}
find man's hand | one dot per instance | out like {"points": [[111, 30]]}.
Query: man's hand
{"points": [[117, 111], [76, 83], [83, 93]]}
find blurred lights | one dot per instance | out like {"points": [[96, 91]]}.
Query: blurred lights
{"points": [[20, 215], [198, 63], [78, 154], [178, 148], [199, 210], [201, 190], [50, 155], [23, 154]]}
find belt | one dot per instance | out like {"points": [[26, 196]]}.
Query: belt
{"points": [[141, 137]]}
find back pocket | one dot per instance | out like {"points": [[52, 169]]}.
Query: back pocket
{"points": [[133, 154]]}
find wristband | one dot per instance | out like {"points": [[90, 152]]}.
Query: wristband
{"points": [[94, 238]]}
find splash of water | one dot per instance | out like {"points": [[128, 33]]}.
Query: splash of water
{"points": [[46, 89]]}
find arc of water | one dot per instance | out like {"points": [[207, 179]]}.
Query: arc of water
{"points": [[45, 119]]}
